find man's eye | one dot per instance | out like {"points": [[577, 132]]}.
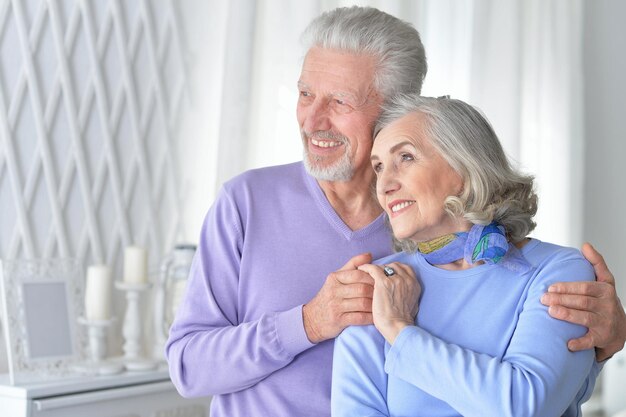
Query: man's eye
{"points": [[342, 106], [305, 94], [406, 157], [377, 167]]}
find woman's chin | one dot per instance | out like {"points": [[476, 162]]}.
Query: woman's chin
{"points": [[400, 235]]}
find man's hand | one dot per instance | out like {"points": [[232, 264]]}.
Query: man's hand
{"points": [[591, 304], [345, 299]]}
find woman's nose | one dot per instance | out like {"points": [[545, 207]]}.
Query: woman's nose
{"points": [[387, 182]]}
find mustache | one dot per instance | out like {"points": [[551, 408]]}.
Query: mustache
{"points": [[324, 134]]}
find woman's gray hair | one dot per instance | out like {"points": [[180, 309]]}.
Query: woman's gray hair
{"points": [[365, 30], [493, 190]]}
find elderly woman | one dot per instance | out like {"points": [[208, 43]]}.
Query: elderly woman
{"points": [[478, 342]]}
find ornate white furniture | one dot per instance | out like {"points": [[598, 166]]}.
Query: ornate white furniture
{"points": [[130, 394]]}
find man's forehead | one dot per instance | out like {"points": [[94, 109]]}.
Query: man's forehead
{"points": [[339, 87], [325, 59], [339, 72]]}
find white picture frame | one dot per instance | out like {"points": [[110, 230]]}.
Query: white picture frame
{"points": [[42, 300]]}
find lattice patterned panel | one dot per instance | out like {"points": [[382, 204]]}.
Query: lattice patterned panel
{"points": [[91, 97]]}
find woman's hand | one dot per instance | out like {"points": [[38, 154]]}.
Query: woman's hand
{"points": [[396, 298]]}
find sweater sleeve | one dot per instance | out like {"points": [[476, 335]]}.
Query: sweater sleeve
{"points": [[209, 351], [359, 384], [537, 376]]}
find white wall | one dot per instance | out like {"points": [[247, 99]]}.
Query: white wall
{"points": [[605, 132], [103, 132], [605, 150]]}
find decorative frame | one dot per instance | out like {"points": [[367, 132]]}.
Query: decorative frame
{"points": [[42, 301]]}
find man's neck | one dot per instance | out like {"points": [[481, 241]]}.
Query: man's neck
{"points": [[354, 200]]}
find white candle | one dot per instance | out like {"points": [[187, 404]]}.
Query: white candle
{"points": [[135, 265], [179, 293], [98, 293]]}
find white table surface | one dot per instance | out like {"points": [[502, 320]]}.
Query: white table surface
{"points": [[75, 383]]}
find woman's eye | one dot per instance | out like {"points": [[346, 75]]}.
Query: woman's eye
{"points": [[406, 157]]}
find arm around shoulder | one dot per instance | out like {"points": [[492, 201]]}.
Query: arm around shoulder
{"points": [[593, 304], [537, 375]]}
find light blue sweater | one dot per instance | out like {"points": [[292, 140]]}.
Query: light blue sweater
{"points": [[483, 345]]}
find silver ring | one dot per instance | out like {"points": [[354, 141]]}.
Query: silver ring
{"points": [[389, 271]]}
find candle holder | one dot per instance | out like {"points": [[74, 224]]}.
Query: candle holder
{"points": [[131, 330], [97, 365]]}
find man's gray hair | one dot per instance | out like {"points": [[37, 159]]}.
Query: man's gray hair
{"points": [[492, 189], [396, 44]]}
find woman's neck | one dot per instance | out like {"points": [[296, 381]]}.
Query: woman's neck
{"points": [[458, 265], [462, 264]]}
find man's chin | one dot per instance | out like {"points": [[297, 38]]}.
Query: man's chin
{"points": [[328, 173]]}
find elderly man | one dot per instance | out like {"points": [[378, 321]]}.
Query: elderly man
{"points": [[263, 306]]}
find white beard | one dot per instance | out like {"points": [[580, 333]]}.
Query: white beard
{"points": [[340, 170]]}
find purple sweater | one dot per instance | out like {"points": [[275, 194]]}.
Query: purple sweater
{"points": [[266, 247]]}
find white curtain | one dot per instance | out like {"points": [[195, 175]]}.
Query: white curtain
{"points": [[519, 61]]}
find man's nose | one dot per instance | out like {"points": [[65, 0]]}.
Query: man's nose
{"points": [[317, 117]]}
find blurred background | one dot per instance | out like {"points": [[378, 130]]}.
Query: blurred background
{"points": [[120, 119]]}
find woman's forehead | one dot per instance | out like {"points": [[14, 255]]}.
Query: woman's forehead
{"points": [[407, 128]]}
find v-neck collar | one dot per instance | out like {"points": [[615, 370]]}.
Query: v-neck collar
{"points": [[331, 215]]}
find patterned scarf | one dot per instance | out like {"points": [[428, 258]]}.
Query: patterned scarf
{"points": [[481, 243]]}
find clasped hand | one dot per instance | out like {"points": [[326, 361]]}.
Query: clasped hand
{"points": [[395, 300], [359, 294], [345, 299]]}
